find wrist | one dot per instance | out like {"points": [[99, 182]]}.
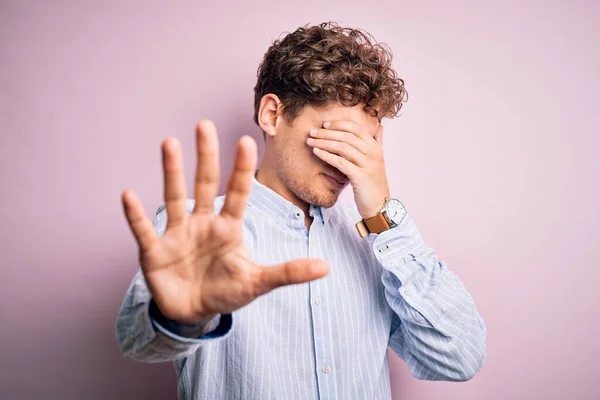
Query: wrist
{"points": [[192, 328], [374, 210], [200, 320]]}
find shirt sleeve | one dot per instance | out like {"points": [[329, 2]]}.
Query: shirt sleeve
{"points": [[436, 327], [144, 334]]}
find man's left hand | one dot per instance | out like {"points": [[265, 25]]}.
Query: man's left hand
{"points": [[358, 154]]}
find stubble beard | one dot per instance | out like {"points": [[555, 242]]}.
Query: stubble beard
{"points": [[310, 192]]}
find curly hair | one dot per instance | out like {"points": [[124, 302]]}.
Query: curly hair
{"points": [[328, 63]]}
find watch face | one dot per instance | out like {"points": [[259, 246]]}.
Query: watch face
{"points": [[395, 211]]}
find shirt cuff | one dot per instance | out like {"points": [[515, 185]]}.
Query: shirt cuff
{"points": [[396, 247], [217, 327]]}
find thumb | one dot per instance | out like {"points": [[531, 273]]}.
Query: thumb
{"points": [[289, 273]]}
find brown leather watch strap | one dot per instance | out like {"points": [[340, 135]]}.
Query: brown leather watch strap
{"points": [[362, 229], [376, 224]]}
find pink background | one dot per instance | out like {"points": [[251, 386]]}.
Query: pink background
{"points": [[495, 155]]}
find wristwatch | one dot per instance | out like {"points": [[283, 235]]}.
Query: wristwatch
{"points": [[392, 213]]}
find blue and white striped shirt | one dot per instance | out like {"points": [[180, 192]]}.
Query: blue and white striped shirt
{"points": [[326, 339]]}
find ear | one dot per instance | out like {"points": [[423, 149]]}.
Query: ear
{"points": [[268, 113]]}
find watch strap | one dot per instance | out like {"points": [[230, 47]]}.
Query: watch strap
{"points": [[362, 229], [376, 224]]}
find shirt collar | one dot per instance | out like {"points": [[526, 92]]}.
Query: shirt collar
{"points": [[267, 201]]}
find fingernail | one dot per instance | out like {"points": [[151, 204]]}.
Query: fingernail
{"points": [[310, 140], [316, 149], [313, 132], [326, 124]]}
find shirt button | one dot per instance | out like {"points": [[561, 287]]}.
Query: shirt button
{"points": [[325, 369], [279, 220], [407, 292], [298, 215], [318, 300]]}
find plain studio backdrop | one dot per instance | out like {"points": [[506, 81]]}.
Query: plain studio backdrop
{"points": [[495, 156]]}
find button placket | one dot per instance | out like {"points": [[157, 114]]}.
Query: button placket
{"points": [[321, 321]]}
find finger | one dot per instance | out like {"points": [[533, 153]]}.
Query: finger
{"points": [[174, 182], [343, 165], [240, 181], [341, 136], [293, 272], [341, 149], [140, 226], [206, 186], [353, 128]]}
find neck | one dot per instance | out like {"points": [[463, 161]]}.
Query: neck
{"points": [[268, 177]]}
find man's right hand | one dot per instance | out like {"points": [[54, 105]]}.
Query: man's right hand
{"points": [[200, 267]]}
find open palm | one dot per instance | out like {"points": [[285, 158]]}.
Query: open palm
{"points": [[200, 267]]}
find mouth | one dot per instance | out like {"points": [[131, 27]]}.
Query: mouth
{"points": [[338, 180]]}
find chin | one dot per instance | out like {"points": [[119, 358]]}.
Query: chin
{"points": [[326, 203], [321, 196], [314, 191]]}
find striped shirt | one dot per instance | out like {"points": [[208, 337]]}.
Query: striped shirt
{"points": [[325, 339]]}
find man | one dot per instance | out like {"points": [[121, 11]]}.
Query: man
{"points": [[275, 290]]}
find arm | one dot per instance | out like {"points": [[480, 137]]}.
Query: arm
{"points": [[436, 328]]}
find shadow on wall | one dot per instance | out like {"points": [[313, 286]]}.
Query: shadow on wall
{"points": [[72, 353], [118, 377]]}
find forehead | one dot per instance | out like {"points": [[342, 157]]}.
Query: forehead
{"points": [[339, 112]]}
